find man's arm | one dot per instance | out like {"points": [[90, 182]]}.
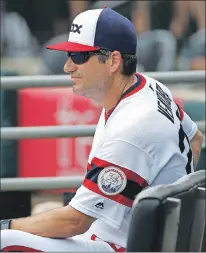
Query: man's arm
{"points": [[57, 223], [180, 19], [76, 7], [194, 135], [141, 16], [196, 145]]}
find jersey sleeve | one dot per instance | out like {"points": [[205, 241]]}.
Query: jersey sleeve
{"points": [[117, 173], [189, 126]]}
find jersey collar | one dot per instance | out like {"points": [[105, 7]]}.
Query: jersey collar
{"points": [[141, 81]]}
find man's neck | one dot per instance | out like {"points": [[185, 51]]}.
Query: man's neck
{"points": [[118, 87]]}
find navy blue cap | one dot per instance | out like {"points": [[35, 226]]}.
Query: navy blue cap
{"points": [[100, 28]]}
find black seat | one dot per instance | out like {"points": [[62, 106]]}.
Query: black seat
{"points": [[203, 248], [154, 209], [150, 219], [198, 223], [189, 200]]}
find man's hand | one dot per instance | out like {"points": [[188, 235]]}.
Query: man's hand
{"points": [[57, 223]]}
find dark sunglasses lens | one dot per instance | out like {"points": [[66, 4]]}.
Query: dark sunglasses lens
{"points": [[78, 58]]}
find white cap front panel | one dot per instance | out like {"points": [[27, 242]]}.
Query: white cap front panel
{"points": [[83, 28]]}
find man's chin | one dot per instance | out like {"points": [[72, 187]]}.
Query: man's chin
{"points": [[78, 91], [85, 92]]}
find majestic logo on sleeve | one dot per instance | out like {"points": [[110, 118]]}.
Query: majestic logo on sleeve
{"points": [[112, 181]]}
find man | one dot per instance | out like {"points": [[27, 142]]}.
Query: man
{"points": [[142, 139]]}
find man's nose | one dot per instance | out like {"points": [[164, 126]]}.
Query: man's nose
{"points": [[69, 66]]}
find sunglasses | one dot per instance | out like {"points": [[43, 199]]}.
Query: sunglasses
{"points": [[82, 57]]}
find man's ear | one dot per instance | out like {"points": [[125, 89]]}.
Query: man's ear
{"points": [[115, 61]]}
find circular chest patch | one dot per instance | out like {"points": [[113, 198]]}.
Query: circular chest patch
{"points": [[112, 181]]}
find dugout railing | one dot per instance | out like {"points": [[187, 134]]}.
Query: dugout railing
{"points": [[11, 133]]}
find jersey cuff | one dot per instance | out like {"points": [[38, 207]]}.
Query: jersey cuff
{"points": [[193, 132]]}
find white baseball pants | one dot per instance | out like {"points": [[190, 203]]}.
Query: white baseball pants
{"points": [[15, 240]]}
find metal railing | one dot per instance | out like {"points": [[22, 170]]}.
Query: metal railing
{"points": [[19, 82], [20, 184], [16, 133], [40, 183]]}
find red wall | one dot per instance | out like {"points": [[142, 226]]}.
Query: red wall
{"points": [[51, 107]]}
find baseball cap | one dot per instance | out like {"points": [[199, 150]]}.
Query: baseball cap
{"points": [[97, 29]]}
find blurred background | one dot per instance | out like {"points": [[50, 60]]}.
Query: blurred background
{"points": [[171, 34], [171, 37]]}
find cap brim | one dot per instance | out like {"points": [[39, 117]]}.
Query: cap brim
{"points": [[71, 47]]}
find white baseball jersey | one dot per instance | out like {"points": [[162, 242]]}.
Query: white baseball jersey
{"points": [[143, 141]]}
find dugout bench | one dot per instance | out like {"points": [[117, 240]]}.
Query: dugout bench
{"points": [[170, 217]]}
